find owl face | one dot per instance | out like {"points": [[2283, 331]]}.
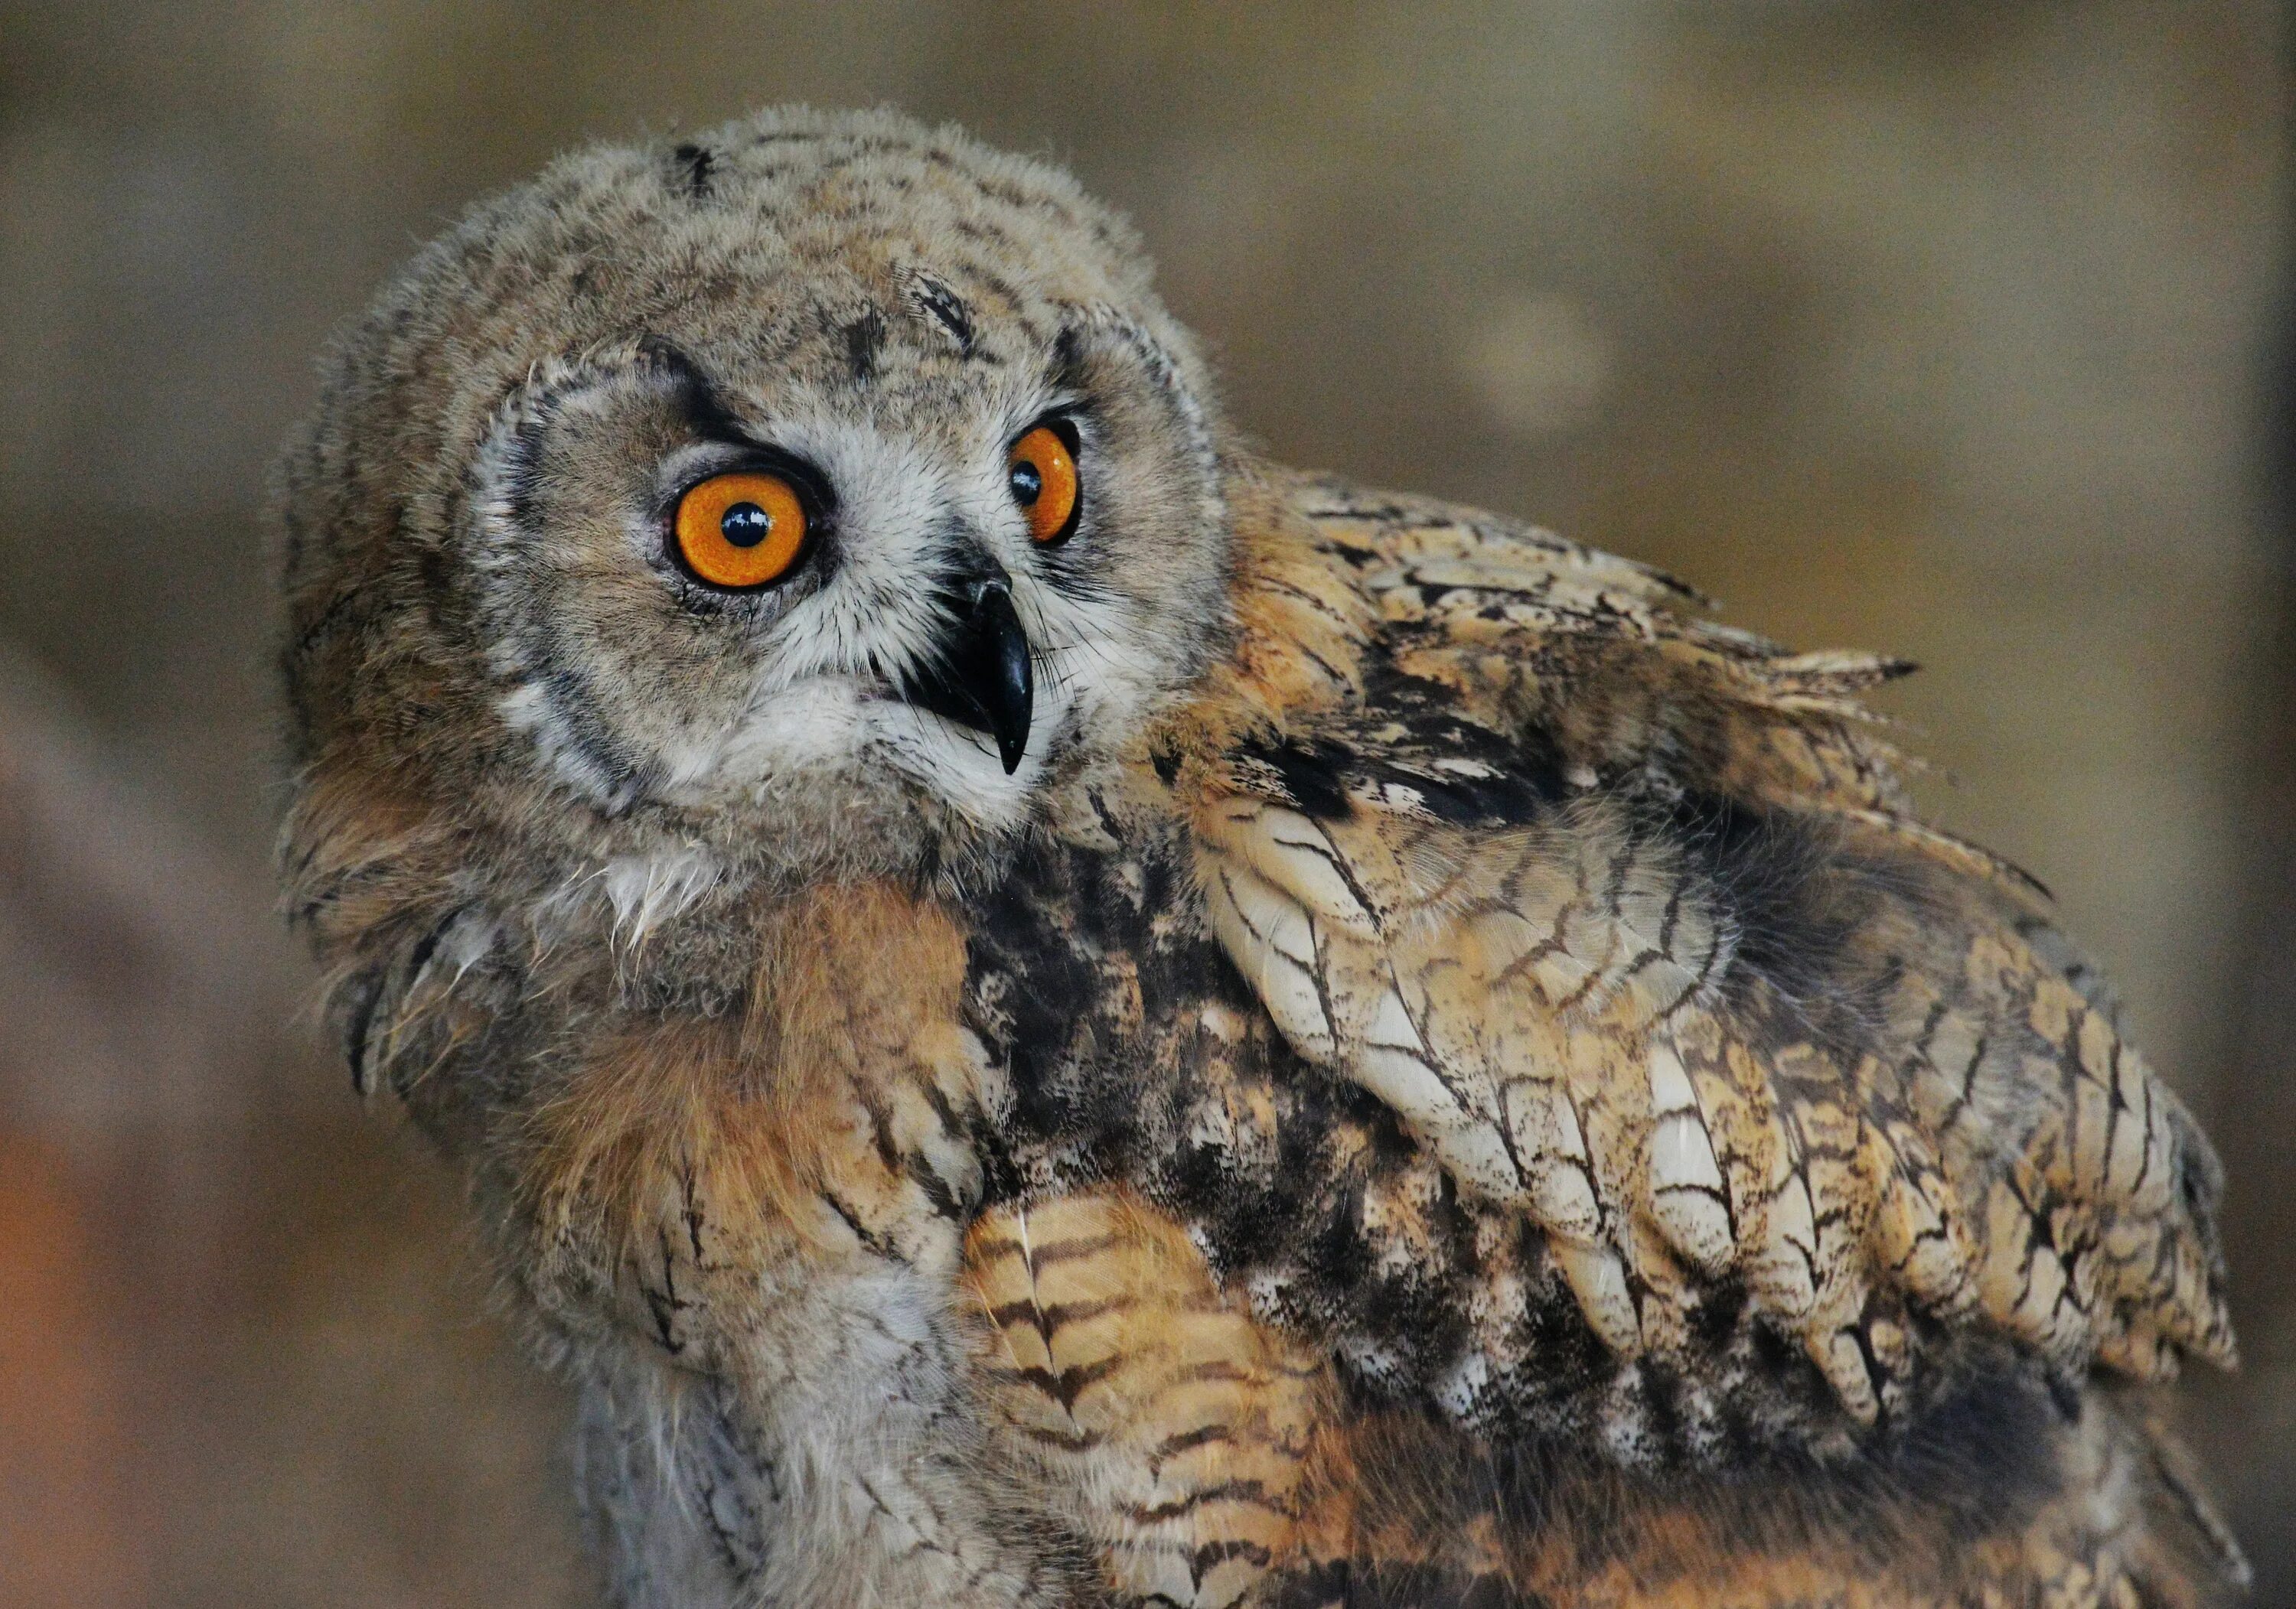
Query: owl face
{"points": [[820, 490], [709, 569]]}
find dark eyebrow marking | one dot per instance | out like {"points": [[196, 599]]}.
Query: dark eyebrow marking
{"points": [[1068, 357], [697, 160], [696, 396], [864, 337], [706, 416], [934, 298]]}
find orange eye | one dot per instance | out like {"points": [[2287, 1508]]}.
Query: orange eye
{"points": [[1043, 473], [740, 531]]}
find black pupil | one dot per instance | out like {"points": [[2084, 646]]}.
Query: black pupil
{"points": [[745, 525], [1028, 483]]}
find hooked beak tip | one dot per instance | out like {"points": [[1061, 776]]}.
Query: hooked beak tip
{"points": [[984, 677]]}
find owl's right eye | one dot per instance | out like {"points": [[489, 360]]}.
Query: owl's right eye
{"points": [[739, 532]]}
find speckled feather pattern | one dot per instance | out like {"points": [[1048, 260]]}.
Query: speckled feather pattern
{"points": [[1653, 1131], [1440, 1077]]}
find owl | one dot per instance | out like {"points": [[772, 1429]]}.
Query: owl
{"points": [[1039, 1010]]}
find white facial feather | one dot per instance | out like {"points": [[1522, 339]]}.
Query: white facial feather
{"points": [[819, 700]]}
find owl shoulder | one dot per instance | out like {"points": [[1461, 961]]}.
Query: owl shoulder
{"points": [[1628, 917]]}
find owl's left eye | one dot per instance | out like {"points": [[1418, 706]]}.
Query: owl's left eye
{"points": [[1042, 471], [739, 532]]}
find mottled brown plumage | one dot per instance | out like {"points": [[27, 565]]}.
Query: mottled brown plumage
{"points": [[1735, 980], [1416, 1070]]}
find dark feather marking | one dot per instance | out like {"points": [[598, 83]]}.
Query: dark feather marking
{"points": [[934, 298], [1312, 772], [1048, 1320], [521, 470], [1465, 774], [865, 339], [369, 987], [880, 1126], [869, 1238], [328, 619], [664, 1303], [695, 161], [691, 389], [1254, 1492], [425, 947], [936, 1191], [1041, 1257], [1067, 1385], [622, 781]]}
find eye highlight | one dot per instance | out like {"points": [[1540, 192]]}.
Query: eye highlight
{"points": [[739, 532], [1042, 470]]}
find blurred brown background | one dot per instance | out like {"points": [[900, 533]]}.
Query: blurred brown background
{"points": [[1956, 330]]}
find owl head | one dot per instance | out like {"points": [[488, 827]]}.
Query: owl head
{"points": [[806, 496]]}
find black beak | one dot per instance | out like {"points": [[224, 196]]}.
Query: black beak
{"points": [[982, 677]]}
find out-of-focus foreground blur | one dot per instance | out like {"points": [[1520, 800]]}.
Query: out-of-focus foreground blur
{"points": [[1956, 330]]}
